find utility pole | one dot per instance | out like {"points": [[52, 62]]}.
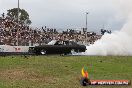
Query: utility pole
{"points": [[18, 12], [18, 25], [86, 29], [86, 21]]}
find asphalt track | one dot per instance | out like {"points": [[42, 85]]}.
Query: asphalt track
{"points": [[24, 53], [15, 53], [27, 53]]}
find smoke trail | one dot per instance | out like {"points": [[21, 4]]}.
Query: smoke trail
{"points": [[119, 42]]}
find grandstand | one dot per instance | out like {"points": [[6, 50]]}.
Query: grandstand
{"points": [[28, 36]]}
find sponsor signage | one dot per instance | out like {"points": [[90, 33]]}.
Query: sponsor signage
{"points": [[109, 82], [85, 81]]}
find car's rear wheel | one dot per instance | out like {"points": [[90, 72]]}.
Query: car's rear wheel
{"points": [[43, 52]]}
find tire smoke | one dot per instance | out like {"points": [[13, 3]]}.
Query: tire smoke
{"points": [[119, 42]]}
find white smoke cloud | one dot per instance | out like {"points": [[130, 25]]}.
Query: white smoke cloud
{"points": [[119, 42]]}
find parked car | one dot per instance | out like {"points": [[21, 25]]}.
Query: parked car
{"points": [[58, 47]]}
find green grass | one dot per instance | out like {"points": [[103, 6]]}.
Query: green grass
{"points": [[61, 71]]}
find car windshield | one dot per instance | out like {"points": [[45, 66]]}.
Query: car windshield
{"points": [[52, 42]]}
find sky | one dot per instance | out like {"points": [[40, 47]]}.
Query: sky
{"points": [[65, 14]]}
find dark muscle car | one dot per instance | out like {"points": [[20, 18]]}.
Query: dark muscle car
{"points": [[58, 47]]}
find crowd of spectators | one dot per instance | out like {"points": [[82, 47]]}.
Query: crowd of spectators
{"points": [[12, 33]]}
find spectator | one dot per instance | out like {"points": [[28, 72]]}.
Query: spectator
{"points": [[11, 32]]}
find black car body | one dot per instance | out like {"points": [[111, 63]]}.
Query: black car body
{"points": [[58, 47]]}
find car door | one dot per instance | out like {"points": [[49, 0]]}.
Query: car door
{"points": [[66, 47], [57, 48]]}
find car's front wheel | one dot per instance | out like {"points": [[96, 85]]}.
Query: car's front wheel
{"points": [[43, 52], [72, 51]]}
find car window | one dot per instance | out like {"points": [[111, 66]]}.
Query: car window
{"points": [[65, 43], [59, 43], [70, 43]]}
